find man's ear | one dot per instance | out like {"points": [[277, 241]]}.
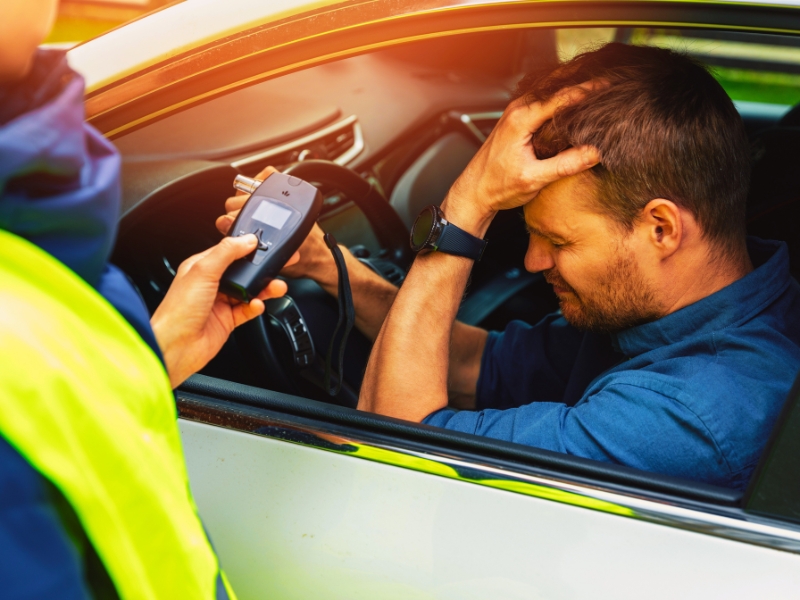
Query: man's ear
{"points": [[661, 224]]}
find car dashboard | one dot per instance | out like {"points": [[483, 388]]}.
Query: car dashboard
{"points": [[407, 119]]}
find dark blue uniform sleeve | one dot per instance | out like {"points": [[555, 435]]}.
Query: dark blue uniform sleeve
{"points": [[527, 363], [37, 557], [115, 287]]}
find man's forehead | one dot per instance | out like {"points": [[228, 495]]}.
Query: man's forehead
{"points": [[567, 195], [568, 211]]}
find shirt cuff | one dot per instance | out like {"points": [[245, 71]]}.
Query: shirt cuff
{"points": [[440, 417]]}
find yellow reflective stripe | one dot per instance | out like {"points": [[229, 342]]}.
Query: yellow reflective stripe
{"points": [[517, 486], [89, 405], [406, 461], [548, 493]]}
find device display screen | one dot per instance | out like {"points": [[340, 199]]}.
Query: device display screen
{"points": [[271, 214]]}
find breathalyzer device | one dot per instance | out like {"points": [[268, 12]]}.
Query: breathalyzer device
{"points": [[280, 212]]}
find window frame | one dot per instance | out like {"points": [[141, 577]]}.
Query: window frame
{"points": [[283, 46], [477, 460]]}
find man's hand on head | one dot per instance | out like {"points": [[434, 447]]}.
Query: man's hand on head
{"points": [[505, 172]]}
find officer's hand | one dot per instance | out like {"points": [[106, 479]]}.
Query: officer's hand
{"points": [[194, 320], [505, 172]]}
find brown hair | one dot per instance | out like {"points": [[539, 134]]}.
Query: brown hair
{"points": [[664, 128]]}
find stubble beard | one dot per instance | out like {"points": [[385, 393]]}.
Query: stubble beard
{"points": [[622, 299]]}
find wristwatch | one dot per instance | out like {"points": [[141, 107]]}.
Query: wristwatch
{"points": [[431, 231]]}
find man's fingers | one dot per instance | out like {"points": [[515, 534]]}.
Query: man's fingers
{"points": [[275, 289], [530, 117], [266, 173], [293, 260], [242, 313], [235, 203], [564, 164], [224, 223], [559, 100], [527, 118], [220, 257]]}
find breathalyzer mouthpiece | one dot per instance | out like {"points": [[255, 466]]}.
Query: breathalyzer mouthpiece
{"points": [[247, 185]]}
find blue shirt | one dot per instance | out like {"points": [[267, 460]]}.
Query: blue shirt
{"points": [[694, 394]]}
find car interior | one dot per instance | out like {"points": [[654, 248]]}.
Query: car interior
{"points": [[384, 134]]}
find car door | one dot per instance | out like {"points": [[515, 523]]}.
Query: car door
{"points": [[303, 499]]}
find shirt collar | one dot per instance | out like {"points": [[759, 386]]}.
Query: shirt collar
{"points": [[728, 307]]}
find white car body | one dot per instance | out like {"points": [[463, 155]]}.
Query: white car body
{"points": [[295, 522], [310, 509]]}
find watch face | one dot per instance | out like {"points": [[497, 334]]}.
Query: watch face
{"points": [[421, 231]]}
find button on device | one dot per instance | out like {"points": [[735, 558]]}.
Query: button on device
{"points": [[285, 226], [261, 245]]}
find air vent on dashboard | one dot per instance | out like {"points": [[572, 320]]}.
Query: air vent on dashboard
{"points": [[340, 143]]}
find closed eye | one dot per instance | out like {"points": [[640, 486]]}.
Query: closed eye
{"points": [[541, 234]]}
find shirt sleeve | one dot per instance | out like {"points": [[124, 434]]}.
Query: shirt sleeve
{"points": [[39, 560], [527, 363], [644, 425]]}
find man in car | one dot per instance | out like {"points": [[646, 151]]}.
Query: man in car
{"points": [[678, 337]]}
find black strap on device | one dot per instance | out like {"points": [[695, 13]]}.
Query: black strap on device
{"points": [[347, 317]]}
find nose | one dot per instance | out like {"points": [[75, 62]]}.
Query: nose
{"points": [[539, 256]]}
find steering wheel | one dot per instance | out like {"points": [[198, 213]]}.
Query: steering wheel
{"points": [[267, 347]]}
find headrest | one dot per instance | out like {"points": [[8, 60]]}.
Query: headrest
{"points": [[775, 178], [791, 118]]}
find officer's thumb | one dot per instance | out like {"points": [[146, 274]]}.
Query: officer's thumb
{"points": [[223, 254]]}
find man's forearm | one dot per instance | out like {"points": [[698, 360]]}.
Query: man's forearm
{"points": [[407, 374], [409, 371], [372, 294], [466, 350]]}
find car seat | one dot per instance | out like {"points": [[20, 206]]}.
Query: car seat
{"points": [[773, 203], [791, 118]]}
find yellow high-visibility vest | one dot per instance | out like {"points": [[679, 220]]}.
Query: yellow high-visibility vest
{"points": [[89, 405]]}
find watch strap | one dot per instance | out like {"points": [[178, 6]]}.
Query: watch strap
{"points": [[454, 240]]}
